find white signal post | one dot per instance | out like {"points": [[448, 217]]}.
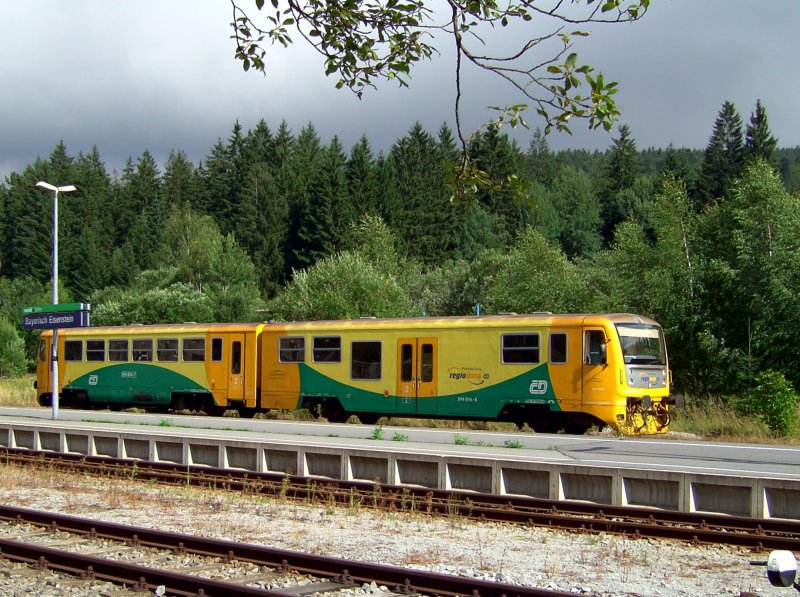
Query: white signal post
{"points": [[56, 190]]}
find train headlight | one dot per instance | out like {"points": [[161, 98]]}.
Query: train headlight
{"points": [[781, 568]]}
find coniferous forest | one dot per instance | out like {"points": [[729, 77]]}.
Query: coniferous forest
{"points": [[274, 224]]}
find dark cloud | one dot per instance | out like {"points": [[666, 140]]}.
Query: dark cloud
{"points": [[131, 76]]}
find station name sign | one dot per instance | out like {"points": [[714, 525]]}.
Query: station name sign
{"points": [[62, 315]]}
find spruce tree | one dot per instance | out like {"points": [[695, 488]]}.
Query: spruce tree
{"points": [[675, 165], [361, 179], [759, 142], [87, 240], [146, 213], [622, 170], [723, 159], [540, 160], [424, 207], [493, 153], [304, 168], [183, 186], [258, 146], [28, 213], [263, 227]]}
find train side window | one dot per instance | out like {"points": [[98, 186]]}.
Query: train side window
{"points": [[95, 350], [558, 347], [327, 349], [426, 363], [167, 350], [41, 355], [292, 349], [595, 348], [365, 360], [73, 350], [406, 362], [194, 349], [520, 348], [216, 349], [143, 350], [118, 350], [236, 357]]}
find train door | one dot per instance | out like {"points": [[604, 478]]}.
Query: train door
{"points": [[417, 364], [43, 366], [236, 349], [598, 379]]}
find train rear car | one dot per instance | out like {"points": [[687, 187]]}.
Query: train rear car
{"points": [[198, 367]]}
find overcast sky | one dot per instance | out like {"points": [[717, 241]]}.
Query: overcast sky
{"points": [[157, 75]]}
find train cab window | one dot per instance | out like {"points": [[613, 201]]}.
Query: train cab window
{"points": [[167, 350], [292, 349], [327, 349], [118, 350], [520, 348], [558, 347], [95, 350], [194, 349], [594, 352], [143, 350], [216, 349], [73, 350], [365, 360]]}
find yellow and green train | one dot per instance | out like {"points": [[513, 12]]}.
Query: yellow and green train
{"points": [[553, 372]]}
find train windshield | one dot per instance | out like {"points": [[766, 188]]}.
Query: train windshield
{"points": [[642, 344]]}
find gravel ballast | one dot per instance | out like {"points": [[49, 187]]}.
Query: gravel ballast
{"points": [[584, 564]]}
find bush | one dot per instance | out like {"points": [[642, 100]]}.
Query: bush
{"points": [[12, 350], [343, 286], [773, 400]]}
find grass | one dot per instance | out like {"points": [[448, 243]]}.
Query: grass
{"points": [[714, 420], [17, 391]]}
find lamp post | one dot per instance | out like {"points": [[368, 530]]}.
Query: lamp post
{"points": [[56, 190]]}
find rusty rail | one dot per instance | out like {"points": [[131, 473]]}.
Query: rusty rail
{"points": [[757, 534], [403, 580]]}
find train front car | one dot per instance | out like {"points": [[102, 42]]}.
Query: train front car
{"points": [[638, 354]]}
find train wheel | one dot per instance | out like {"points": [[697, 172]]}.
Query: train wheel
{"points": [[543, 425], [368, 419], [333, 411], [576, 428]]}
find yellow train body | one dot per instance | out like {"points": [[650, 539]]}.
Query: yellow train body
{"points": [[552, 372]]}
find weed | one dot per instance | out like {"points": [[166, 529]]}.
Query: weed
{"points": [[377, 433], [399, 437], [166, 423], [461, 440], [512, 443], [285, 487]]}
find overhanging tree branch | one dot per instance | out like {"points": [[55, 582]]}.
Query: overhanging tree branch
{"points": [[363, 41]]}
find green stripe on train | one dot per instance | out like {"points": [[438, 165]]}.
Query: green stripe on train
{"points": [[531, 387], [134, 382]]}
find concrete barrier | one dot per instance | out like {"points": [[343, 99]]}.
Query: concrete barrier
{"points": [[419, 465]]}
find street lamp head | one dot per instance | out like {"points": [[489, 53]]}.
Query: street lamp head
{"points": [[46, 185]]}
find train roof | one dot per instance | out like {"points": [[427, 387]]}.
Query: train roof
{"points": [[176, 328], [470, 321], [499, 320]]}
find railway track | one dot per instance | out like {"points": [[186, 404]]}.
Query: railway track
{"points": [[176, 564], [697, 528]]}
